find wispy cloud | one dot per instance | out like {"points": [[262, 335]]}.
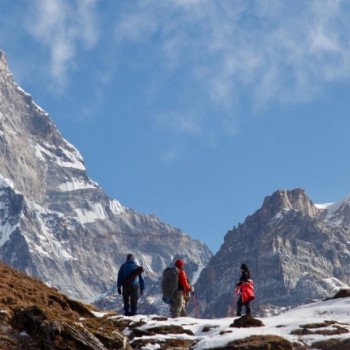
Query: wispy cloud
{"points": [[271, 51], [63, 27], [284, 52], [208, 56]]}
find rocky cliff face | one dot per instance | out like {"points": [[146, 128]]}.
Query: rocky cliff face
{"points": [[58, 224], [296, 253]]}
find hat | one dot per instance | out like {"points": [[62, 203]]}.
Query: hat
{"points": [[130, 257], [179, 263]]}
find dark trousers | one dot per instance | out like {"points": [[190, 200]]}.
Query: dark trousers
{"points": [[130, 297], [240, 306]]}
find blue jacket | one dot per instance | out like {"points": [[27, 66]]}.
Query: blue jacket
{"points": [[126, 270]]}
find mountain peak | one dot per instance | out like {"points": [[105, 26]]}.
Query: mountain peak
{"points": [[295, 199], [3, 61], [293, 253]]}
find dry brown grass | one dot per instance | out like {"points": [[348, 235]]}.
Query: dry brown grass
{"points": [[19, 290], [49, 319]]}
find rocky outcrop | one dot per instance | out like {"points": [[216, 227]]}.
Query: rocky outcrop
{"points": [[332, 344], [34, 316], [294, 255], [342, 293], [255, 342], [57, 223], [246, 321]]}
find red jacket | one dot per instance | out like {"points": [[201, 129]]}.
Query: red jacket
{"points": [[183, 282], [246, 290]]}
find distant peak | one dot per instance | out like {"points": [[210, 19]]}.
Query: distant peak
{"points": [[295, 199], [3, 61]]}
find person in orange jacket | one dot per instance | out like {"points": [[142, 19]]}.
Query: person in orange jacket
{"points": [[177, 308]]}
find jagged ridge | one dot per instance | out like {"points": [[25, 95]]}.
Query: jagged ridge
{"points": [[294, 253]]}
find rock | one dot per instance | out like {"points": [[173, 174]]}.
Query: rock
{"points": [[140, 337], [258, 342], [164, 344], [164, 329], [342, 293], [246, 321], [322, 328], [332, 344]]}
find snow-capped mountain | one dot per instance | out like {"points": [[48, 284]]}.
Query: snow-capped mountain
{"points": [[59, 225], [297, 252]]}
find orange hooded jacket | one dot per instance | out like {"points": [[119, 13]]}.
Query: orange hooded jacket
{"points": [[183, 282]]}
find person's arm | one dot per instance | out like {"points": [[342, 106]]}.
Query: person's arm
{"points": [[183, 281], [141, 282], [120, 277]]}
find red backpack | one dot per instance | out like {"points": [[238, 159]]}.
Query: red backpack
{"points": [[246, 289]]}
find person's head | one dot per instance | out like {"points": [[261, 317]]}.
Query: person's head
{"points": [[179, 263], [244, 267], [130, 257]]}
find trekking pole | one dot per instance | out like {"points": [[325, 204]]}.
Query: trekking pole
{"points": [[233, 304], [195, 306]]}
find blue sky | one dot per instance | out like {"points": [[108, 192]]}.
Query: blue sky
{"points": [[193, 110]]}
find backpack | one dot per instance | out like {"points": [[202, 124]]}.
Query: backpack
{"points": [[170, 284], [131, 276], [247, 291]]}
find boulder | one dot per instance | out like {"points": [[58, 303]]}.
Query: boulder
{"points": [[246, 321]]}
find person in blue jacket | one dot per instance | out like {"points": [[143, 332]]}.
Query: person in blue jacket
{"points": [[130, 279]]}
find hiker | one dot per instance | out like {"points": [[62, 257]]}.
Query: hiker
{"points": [[245, 291], [131, 279], [177, 307]]}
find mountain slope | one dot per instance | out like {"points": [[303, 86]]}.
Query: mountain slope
{"points": [[58, 224], [34, 316], [296, 253]]}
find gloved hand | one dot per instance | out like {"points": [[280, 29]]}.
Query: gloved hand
{"points": [[192, 290], [119, 291]]}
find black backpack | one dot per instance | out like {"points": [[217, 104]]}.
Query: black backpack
{"points": [[170, 283]]}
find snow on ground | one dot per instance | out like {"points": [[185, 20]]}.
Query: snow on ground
{"points": [[213, 333]]}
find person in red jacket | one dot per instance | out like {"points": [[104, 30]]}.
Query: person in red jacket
{"points": [[245, 291], [177, 308]]}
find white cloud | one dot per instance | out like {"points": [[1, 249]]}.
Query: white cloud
{"points": [[63, 26], [208, 56], [182, 123], [274, 53]]}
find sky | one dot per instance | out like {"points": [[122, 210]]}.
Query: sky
{"points": [[219, 333], [192, 110]]}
